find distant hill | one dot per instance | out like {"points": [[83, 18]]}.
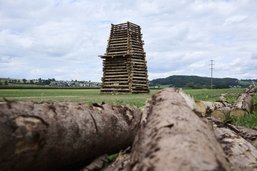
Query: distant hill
{"points": [[198, 82]]}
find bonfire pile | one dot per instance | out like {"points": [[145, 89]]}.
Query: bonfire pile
{"points": [[174, 132]]}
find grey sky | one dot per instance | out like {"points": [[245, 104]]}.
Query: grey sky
{"points": [[62, 39]]}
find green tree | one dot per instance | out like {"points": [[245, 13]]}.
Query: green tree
{"points": [[39, 81]]}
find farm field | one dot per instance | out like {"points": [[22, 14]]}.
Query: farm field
{"points": [[93, 95], [73, 95], [89, 96]]}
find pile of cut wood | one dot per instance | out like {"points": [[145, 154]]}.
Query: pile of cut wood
{"points": [[174, 132], [222, 108]]}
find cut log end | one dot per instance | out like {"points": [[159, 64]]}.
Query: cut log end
{"points": [[218, 115], [200, 107], [238, 113]]}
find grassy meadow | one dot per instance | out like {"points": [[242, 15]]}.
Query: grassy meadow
{"points": [[89, 96], [74, 95], [94, 96]]}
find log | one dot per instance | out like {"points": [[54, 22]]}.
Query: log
{"points": [[249, 134], [211, 108], [252, 89], [174, 138], [218, 110], [221, 113], [240, 153], [221, 109], [62, 136], [243, 104], [223, 98]]}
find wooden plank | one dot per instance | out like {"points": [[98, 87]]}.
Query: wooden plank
{"points": [[139, 78], [136, 85], [140, 91], [115, 89], [116, 62], [120, 82], [114, 73], [116, 76], [140, 81], [115, 79], [117, 49], [118, 39], [113, 43], [139, 75], [138, 63], [116, 53], [116, 85], [119, 67]]}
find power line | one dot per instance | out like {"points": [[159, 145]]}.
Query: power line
{"points": [[212, 68]]}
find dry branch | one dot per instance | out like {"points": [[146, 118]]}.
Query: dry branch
{"points": [[51, 136]]}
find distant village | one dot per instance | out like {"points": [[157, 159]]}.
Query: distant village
{"points": [[9, 82]]}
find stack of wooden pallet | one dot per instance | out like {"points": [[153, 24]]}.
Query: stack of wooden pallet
{"points": [[124, 64]]}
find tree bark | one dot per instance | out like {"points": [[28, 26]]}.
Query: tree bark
{"points": [[52, 136], [249, 134], [175, 138], [243, 105], [240, 153]]}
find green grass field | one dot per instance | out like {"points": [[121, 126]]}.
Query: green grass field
{"points": [[94, 96], [89, 96], [74, 95]]}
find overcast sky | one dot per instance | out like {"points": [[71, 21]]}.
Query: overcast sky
{"points": [[62, 39]]}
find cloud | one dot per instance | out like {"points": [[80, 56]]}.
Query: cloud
{"points": [[62, 39], [5, 59]]}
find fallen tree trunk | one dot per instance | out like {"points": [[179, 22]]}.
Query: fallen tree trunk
{"points": [[175, 138], [243, 105], [218, 110], [249, 134], [52, 136], [240, 153]]}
